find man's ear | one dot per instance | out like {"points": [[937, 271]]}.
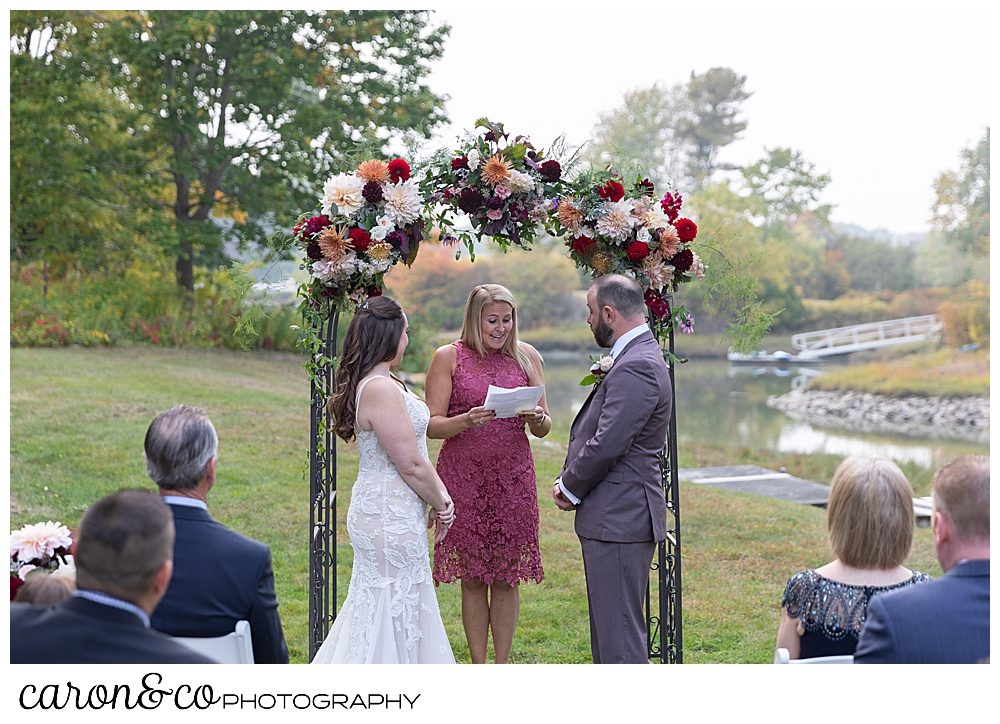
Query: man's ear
{"points": [[608, 313], [940, 527], [163, 575], [210, 469]]}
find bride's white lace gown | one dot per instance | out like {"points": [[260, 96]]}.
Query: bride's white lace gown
{"points": [[391, 613]]}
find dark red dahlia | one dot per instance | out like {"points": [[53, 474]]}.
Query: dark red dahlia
{"points": [[657, 304], [490, 136], [686, 229], [551, 171], [316, 224], [494, 203], [313, 251], [470, 201], [683, 260], [399, 170], [329, 291], [584, 245], [637, 250], [360, 239], [395, 239], [647, 186], [373, 290], [460, 162], [15, 583], [612, 191], [372, 192]]}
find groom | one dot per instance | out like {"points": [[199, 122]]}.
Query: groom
{"points": [[611, 476]]}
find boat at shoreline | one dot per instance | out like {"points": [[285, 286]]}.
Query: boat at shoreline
{"points": [[778, 357]]}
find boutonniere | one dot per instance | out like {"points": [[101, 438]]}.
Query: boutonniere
{"points": [[599, 367]]}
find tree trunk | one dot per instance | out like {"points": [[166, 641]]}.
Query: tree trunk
{"points": [[45, 278], [185, 267]]}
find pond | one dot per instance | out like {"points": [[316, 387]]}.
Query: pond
{"points": [[725, 404]]}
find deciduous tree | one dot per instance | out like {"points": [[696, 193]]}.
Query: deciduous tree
{"points": [[962, 207]]}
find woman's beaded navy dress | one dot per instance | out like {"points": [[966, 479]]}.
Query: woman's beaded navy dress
{"points": [[832, 613]]}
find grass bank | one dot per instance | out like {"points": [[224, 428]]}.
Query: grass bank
{"points": [[938, 372], [78, 418]]}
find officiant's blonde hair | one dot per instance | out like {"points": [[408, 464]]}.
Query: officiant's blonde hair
{"points": [[472, 328]]}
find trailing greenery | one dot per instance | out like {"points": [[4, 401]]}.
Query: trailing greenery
{"points": [[78, 418]]}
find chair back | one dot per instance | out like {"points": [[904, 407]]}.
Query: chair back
{"points": [[233, 648], [781, 657]]}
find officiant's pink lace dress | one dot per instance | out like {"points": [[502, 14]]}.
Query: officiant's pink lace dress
{"points": [[490, 475]]}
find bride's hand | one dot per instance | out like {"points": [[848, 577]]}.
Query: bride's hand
{"points": [[440, 531], [446, 516]]}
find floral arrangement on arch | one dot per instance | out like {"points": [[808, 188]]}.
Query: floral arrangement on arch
{"points": [[369, 220], [614, 228], [506, 188], [40, 546]]}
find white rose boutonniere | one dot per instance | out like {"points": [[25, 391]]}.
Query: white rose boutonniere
{"points": [[599, 367]]}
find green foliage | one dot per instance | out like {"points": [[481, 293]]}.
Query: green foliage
{"points": [[875, 264], [962, 204], [781, 186], [711, 122], [966, 315]]}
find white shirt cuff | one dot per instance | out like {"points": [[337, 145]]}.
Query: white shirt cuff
{"points": [[568, 495]]}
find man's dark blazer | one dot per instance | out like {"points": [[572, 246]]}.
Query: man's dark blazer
{"points": [[945, 621], [220, 577], [79, 631], [613, 461]]}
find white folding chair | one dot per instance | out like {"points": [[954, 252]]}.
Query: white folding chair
{"points": [[233, 648], [781, 657]]}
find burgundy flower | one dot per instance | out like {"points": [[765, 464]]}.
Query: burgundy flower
{"points": [[671, 205], [637, 250], [15, 583], [683, 260], [360, 239], [399, 170], [395, 238], [329, 291], [470, 200], [460, 162], [316, 224], [612, 191], [657, 304], [686, 229], [646, 185], [494, 203], [551, 171], [532, 155], [313, 251], [518, 211], [584, 245], [372, 192], [490, 136], [373, 290]]}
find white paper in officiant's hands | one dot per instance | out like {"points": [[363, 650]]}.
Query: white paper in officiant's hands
{"points": [[508, 402]]}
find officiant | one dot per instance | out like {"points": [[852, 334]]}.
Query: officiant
{"points": [[486, 464]]}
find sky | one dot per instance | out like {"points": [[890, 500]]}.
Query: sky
{"points": [[881, 96]]}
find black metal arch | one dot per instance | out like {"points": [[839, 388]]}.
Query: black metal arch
{"points": [[663, 612]]}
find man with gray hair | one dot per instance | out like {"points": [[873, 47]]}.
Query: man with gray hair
{"points": [[946, 621], [611, 476], [123, 565], [220, 576]]}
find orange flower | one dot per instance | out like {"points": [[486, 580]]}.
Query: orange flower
{"points": [[669, 242], [496, 169], [374, 170], [379, 251], [333, 242], [569, 214]]}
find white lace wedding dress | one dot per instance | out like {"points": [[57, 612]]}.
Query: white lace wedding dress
{"points": [[391, 613]]}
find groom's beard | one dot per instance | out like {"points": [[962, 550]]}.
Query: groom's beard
{"points": [[603, 334]]}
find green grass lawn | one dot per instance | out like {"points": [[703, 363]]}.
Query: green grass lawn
{"points": [[78, 418]]}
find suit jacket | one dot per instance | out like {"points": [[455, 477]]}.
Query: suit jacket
{"points": [[946, 621], [78, 631], [220, 577], [613, 462]]}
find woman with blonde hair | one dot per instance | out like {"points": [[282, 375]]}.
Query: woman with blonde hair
{"points": [[870, 526], [487, 465]]}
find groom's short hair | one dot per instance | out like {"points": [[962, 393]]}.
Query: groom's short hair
{"points": [[179, 444], [622, 294]]}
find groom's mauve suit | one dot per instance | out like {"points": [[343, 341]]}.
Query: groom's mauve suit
{"points": [[613, 466]]}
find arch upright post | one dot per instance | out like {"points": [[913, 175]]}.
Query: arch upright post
{"points": [[663, 615], [322, 494]]}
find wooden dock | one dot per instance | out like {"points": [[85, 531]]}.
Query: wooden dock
{"points": [[774, 484]]}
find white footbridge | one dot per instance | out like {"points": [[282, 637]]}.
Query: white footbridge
{"points": [[843, 340]]}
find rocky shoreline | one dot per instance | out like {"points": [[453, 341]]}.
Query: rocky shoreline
{"points": [[950, 418]]}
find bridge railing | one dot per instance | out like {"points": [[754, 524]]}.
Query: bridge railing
{"points": [[871, 335]]}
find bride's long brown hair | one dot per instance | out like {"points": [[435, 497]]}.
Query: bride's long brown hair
{"points": [[372, 337]]}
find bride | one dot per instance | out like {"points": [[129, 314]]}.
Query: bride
{"points": [[391, 613]]}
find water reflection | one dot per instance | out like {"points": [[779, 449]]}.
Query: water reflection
{"points": [[726, 405]]}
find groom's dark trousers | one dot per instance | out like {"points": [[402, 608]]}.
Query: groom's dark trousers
{"points": [[613, 467]]}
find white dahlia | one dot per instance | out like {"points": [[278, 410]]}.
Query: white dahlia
{"points": [[654, 218], [617, 220], [39, 540], [520, 182], [402, 202], [324, 270], [344, 192], [658, 273]]}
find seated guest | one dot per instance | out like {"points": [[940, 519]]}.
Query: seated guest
{"points": [[220, 576], [45, 589], [948, 620], [870, 526], [123, 566]]}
